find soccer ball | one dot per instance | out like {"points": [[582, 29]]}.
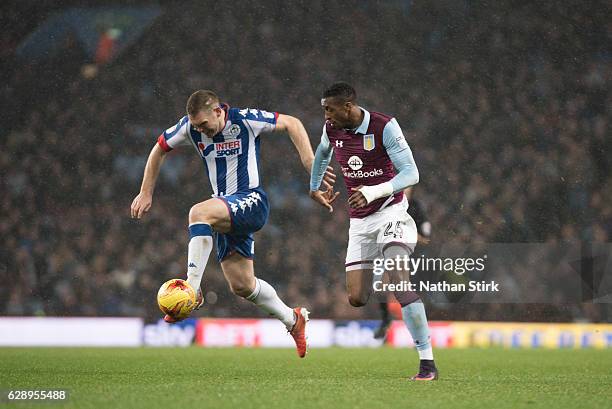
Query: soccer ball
{"points": [[176, 298]]}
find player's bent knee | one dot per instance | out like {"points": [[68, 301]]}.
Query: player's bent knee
{"points": [[357, 300], [197, 214], [205, 212], [241, 290], [242, 286]]}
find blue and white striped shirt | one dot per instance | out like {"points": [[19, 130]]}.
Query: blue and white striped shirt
{"points": [[231, 157]]}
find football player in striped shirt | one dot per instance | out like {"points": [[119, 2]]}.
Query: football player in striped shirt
{"points": [[228, 142]]}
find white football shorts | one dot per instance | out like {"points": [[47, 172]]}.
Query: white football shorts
{"points": [[369, 236]]}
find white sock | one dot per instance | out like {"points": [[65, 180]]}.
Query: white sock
{"points": [[265, 297], [426, 354], [200, 246]]}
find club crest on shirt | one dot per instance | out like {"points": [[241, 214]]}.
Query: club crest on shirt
{"points": [[368, 142], [233, 131]]}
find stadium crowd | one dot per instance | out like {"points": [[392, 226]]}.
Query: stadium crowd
{"points": [[506, 108]]}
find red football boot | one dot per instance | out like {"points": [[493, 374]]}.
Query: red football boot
{"points": [[298, 332]]}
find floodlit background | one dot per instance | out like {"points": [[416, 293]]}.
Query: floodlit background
{"points": [[506, 106]]}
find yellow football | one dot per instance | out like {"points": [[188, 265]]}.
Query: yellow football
{"points": [[176, 298]]}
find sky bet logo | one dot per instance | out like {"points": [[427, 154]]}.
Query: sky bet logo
{"points": [[222, 149]]}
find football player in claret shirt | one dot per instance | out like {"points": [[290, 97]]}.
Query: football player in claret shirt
{"points": [[377, 166], [228, 141]]}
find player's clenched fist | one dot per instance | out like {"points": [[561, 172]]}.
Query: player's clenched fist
{"points": [[141, 204]]}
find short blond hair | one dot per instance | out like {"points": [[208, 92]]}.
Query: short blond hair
{"points": [[202, 100]]}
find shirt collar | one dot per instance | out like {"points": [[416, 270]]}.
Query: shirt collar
{"points": [[226, 108], [363, 128]]}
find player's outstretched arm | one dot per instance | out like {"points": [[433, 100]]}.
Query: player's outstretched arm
{"points": [[319, 174], [299, 137], [142, 203]]}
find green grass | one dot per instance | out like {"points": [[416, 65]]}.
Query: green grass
{"points": [[328, 378]]}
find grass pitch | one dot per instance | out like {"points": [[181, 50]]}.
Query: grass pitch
{"points": [[326, 378]]}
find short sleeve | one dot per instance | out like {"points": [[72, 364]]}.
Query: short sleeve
{"points": [[175, 136], [259, 120]]}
